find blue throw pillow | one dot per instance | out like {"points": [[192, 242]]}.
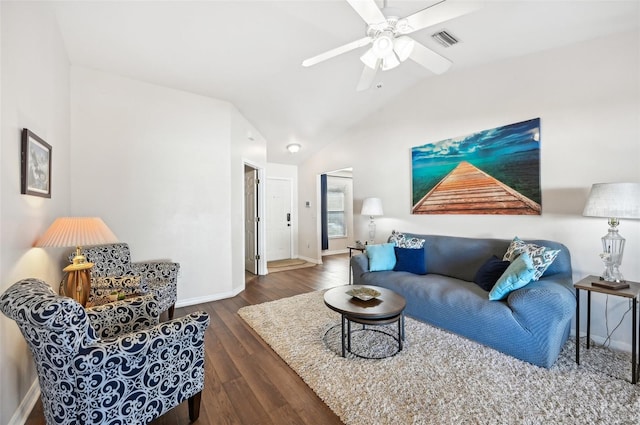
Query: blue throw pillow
{"points": [[410, 260], [518, 274], [489, 273], [381, 257]]}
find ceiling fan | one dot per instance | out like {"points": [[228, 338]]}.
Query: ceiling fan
{"points": [[390, 43]]}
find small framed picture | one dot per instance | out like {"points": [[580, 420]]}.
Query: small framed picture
{"points": [[36, 166]]}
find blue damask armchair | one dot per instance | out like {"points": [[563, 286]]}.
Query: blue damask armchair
{"points": [[110, 364], [114, 261]]}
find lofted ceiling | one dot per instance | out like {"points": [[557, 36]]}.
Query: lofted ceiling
{"points": [[250, 52]]}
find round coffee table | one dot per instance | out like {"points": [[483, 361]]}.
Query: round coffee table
{"points": [[387, 308]]}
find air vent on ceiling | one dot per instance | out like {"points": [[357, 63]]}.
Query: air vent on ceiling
{"points": [[445, 38]]}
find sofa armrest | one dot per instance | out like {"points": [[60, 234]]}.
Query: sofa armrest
{"points": [[125, 316], [359, 266], [542, 303]]}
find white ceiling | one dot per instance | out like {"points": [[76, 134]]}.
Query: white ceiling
{"points": [[250, 52]]}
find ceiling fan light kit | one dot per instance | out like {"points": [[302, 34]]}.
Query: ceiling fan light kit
{"points": [[383, 44], [390, 45], [403, 47]]}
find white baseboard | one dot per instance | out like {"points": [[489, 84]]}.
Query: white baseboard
{"points": [[335, 252], [615, 345], [309, 259], [215, 297], [26, 406]]}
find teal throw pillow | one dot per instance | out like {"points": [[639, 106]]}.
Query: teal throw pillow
{"points": [[381, 257], [520, 272], [541, 256]]}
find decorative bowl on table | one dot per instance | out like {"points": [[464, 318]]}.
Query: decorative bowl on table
{"points": [[364, 294]]}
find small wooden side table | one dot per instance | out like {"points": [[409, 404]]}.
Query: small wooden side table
{"points": [[351, 249], [632, 292]]}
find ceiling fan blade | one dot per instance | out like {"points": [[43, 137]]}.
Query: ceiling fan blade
{"points": [[337, 51], [433, 15], [367, 76], [429, 59], [368, 11]]}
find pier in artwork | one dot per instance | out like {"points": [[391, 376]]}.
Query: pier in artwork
{"points": [[469, 190]]}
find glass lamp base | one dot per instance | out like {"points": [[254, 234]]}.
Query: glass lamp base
{"points": [[372, 231], [612, 273], [613, 249]]}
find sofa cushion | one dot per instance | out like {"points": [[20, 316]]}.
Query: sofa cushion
{"points": [[382, 257], [404, 241], [541, 256], [518, 274], [489, 273], [410, 260]]}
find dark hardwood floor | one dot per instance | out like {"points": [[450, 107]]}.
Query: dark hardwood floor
{"points": [[246, 382]]}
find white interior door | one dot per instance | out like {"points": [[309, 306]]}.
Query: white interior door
{"points": [[278, 219], [250, 220]]}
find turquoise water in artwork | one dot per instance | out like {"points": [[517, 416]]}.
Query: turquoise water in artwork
{"points": [[510, 154]]}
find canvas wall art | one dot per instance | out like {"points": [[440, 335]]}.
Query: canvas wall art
{"points": [[494, 171]]}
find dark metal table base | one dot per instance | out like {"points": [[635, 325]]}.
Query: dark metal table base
{"points": [[634, 342], [346, 332]]}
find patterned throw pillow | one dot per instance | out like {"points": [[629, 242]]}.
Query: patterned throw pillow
{"points": [[541, 256], [403, 241]]}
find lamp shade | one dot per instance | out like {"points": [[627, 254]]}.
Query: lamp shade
{"points": [[76, 231], [372, 207], [613, 200]]}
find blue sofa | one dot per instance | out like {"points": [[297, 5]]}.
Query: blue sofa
{"points": [[531, 324]]}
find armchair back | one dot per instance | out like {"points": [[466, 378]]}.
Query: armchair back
{"points": [[114, 260]]}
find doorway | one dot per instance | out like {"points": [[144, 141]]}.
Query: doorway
{"points": [[336, 230], [279, 209], [251, 219]]}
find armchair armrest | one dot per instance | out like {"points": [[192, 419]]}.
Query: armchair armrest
{"points": [[157, 269], [168, 338], [125, 316], [161, 277]]}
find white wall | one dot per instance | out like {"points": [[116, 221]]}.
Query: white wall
{"points": [[35, 95], [588, 99], [159, 166]]}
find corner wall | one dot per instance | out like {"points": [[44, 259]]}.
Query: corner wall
{"points": [[35, 95], [160, 167], [590, 133]]}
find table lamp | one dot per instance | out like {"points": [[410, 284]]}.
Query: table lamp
{"points": [[613, 201], [372, 207], [77, 231]]}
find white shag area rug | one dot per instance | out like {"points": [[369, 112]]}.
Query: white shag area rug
{"points": [[441, 378]]}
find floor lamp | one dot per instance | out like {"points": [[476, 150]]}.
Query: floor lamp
{"points": [[77, 231]]}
